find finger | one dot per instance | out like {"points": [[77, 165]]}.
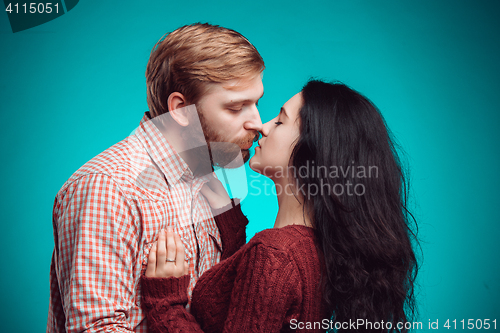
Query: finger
{"points": [[179, 257], [210, 181], [151, 268], [207, 192], [217, 186], [171, 247], [161, 252]]}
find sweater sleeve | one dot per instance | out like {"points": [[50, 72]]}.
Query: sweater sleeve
{"points": [[232, 226], [267, 288], [164, 301]]}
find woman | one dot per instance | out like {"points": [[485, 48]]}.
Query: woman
{"points": [[341, 246]]}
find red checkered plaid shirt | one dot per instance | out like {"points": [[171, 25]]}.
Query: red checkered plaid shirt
{"points": [[106, 217]]}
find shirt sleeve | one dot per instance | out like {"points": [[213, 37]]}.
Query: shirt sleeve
{"points": [[96, 251]]}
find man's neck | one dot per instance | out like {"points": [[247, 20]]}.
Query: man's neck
{"points": [[196, 157]]}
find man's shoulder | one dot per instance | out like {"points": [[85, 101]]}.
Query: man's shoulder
{"points": [[124, 163], [109, 160]]}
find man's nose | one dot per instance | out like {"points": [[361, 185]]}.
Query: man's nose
{"points": [[254, 122], [265, 128]]}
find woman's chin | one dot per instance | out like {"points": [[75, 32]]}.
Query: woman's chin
{"points": [[254, 164]]}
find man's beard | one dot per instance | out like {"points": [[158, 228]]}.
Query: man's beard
{"points": [[222, 151]]}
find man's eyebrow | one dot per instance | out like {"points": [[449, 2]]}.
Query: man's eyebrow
{"points": [[242, 101]]}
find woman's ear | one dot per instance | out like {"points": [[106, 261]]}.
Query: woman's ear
{"points": [[177, 108]]}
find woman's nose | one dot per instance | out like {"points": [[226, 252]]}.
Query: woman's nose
{"points": [[265, 128]]}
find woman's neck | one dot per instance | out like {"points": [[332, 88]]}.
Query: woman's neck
{"points": [[291, 209]]}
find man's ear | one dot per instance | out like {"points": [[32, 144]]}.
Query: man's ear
{"points": [[176, 106]]}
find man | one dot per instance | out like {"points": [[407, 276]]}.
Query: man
{"points": [[108, 214]]}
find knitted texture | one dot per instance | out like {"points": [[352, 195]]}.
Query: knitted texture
{"points": [[262, 287], [232, 228]]}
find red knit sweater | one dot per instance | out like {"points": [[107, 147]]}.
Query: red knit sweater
{"points": [[269, 285]]}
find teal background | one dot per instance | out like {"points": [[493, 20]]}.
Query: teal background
{"points": [[74, 86]]}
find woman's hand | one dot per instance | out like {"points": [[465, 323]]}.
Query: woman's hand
{"points": [[215, 193], [166, 257]]}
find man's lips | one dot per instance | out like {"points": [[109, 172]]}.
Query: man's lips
{"points": [[247, 146], [250, 142]]}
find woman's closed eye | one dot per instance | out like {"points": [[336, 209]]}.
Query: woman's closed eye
{"points": [[278, 123]]}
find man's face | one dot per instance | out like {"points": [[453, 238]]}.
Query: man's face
{"points": [[228, 113]]}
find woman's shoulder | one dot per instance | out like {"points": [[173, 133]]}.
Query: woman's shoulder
{"points": [[291, 246], [284, 238]]}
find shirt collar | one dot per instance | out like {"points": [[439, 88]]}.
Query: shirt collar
{"points": [[161, 151], [165, 157]]}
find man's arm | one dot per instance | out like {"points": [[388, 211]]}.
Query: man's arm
{"points": [[96, 255]]}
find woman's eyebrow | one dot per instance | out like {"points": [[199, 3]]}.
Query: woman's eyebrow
{"points": [[284, 112]]}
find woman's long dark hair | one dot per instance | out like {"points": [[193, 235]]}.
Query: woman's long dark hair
{"points": [[356, 191]]}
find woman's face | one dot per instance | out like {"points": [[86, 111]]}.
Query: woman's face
{"points": [[279, 136]]}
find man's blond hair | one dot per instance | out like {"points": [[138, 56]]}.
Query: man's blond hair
{"points": [[192, 56]]}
